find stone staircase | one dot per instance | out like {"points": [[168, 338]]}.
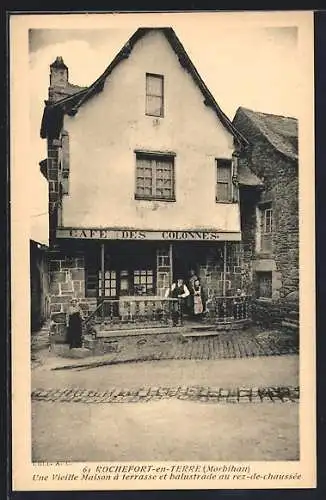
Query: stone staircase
{"points": [[188, 329], [291, 321], [41, 339]]}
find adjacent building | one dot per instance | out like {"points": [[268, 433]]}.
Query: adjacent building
{"points": [[271, 221]]}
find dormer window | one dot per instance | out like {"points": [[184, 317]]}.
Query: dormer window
{"points": [[154, 95]]}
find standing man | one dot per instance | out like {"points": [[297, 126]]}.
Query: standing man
{"points": [[179, 291]]}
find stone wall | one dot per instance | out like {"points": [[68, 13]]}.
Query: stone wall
{"points": [[271, 314], [211, 272], [280, 175], [54, 186], [67, 280]]}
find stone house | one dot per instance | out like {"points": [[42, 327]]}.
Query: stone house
{"points": [[144, 176], [270, 229]]}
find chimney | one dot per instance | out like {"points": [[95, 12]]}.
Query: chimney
{"points": [[58, 77]]}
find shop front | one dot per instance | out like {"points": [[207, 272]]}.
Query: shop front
{"points": [[121, 277]]}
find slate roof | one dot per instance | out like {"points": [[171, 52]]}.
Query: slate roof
{"points": [[280, 131], [53, 112], [247, 178]]}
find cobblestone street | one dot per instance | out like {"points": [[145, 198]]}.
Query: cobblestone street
{"points": [[252, 343], [191, 393], [159, 397]]}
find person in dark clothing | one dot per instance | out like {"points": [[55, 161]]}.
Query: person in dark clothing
{"points": [[74, 324], [179, 291]]}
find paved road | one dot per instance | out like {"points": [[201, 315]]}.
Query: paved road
{"points": [[171, 410], [231, 373], [164, 430], [225, 345]]}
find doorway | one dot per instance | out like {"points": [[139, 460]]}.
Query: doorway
{"points": [[185, 257]]}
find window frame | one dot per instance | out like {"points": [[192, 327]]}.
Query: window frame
{"points": [[266, 226], [155, 157], [147, 95], [218, 163]]}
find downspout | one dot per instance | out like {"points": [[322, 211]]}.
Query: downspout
{"points": [[102, 275], [224, 270]]}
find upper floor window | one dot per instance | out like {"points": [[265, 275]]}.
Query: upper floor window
{"points": [[154, 177], [266, 227], [224, 188], [154, 95]]}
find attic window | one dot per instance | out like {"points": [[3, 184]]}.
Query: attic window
{"points": [[154, 95], [224, 188]]}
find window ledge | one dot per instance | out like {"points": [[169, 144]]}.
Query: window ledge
{"points": [[154, 116], [224, 202], [149, 198], [264, 255]]}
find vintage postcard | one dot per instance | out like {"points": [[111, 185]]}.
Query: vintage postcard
{"points": [[162, 259]]}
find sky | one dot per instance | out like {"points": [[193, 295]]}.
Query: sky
{"points": [[254, 67]]}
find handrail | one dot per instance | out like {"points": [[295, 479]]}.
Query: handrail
{"points": [[214, 300], [90, 316], [126, 298]]}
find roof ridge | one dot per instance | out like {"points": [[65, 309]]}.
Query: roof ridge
{"points": [[243, 108], [185, 61]]}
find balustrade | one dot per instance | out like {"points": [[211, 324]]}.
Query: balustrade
{"points": [[142, 312], [227, 309]]}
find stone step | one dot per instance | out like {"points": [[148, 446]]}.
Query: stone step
{"points": [[293, 315], [106, 333], [293, 325], [188, 329]]}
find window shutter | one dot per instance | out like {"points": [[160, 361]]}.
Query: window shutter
{"points": [[224, 180]]}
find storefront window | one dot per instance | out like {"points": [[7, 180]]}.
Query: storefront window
{"points": [[143, 282], [110, 284]]}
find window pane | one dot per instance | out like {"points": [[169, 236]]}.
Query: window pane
{"points": [[167, 193], [264, 284], [124, 284], [224, 173], [223, 191], [266, 242], [156, 181], [154, 106], [268, 220], [154, 85]]}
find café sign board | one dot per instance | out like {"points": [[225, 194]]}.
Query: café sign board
{"points": [[143, 235]]}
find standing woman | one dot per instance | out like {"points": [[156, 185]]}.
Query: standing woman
{"points": [[198, 300], [74, 324], [191, 285]]}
